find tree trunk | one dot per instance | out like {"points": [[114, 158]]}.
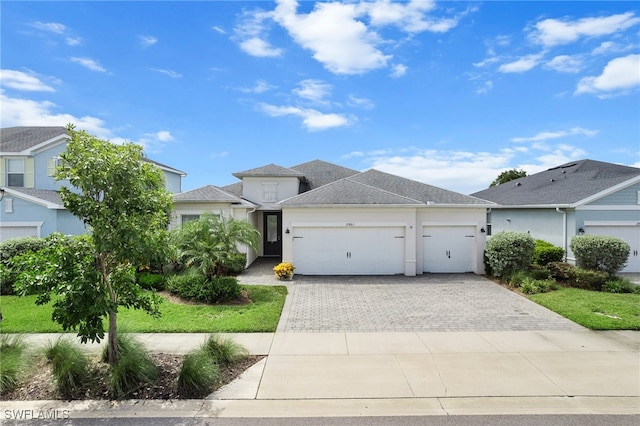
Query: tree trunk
{"points": [[112, 352]]}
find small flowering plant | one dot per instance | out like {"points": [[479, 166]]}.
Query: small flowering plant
{"points": [[284, 270]]}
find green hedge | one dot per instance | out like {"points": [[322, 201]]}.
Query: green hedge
{"points": [[9, 249], [545, 253], [194, 286], [600, 253], [508, 252]]}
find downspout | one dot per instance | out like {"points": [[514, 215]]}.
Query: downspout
{"points": [[564, 231]]}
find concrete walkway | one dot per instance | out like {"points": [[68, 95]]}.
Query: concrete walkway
{"points": [[550, 366]]}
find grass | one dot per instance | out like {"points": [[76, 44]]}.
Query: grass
{"points": [[224, 350], [22, 315], [69, 364], [198, 374], [12, 352], [134, 368], [593, 309]]}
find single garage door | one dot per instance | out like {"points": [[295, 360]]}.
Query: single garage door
{"points": [[7, 232], [349, 250], [630, 234], [448, 249]]}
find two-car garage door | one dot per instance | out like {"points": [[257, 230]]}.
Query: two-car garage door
{"points": [[349, 250]]}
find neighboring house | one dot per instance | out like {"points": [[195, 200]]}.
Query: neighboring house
{"points": [[331, 220], [31, 205], [580, 197]]}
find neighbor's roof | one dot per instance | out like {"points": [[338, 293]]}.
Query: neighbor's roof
{"points": [[47, 197], [567, 184], [18, 139], [378, 188]]}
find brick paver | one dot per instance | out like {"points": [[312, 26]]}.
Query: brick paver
{"points": [[430, 302]]}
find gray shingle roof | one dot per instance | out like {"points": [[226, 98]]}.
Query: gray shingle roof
{"points": [[271, 170], [49, 196], [17, 139], [234, 188], [319, 173], [567, 184], [348, 191], [416, 190], [207, 194]]}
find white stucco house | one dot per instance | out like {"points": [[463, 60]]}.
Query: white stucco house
{"points": [[331, 220], [30, 204], [579, 197]]}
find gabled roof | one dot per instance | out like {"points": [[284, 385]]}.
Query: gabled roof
{"points": [[565, 185], [19, 139], [419, 191], [348, 191], [271, 170], [207, 194], [319, 173], [45, 197], [164, 167]]}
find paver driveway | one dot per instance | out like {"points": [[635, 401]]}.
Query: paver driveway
{"points": [[431, 302]]}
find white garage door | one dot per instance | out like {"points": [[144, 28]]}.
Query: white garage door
{"points": [[348, 250], [448, 248], [7, 232], [630, 234]]}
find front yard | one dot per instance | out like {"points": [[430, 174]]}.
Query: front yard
{"points": [[22, 315]]}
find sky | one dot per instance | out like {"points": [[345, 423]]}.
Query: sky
{"points": [[448, 93]]}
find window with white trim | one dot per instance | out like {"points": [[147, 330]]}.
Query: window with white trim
{"points": [[270, 192], [15, 171], [186, 218]]}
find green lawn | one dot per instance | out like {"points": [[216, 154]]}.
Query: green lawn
{"points": [[593, 309], [22, 315]]}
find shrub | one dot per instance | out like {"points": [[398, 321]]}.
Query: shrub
{"points": [[223, 350], [540, 272], [620, 285], [507, 252], [589, 280], [6, 281], [151, 281], [69, 365], [194, 286], [517, 278], [198, 375], [562, 271], [12, 352], [284, 270], [533, 286], [9, 249], [600, 253], [545, 252], [133, 370]]}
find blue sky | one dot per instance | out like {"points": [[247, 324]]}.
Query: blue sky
{"points": [[448, 93]]}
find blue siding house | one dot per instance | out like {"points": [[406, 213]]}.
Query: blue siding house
{"points": [[30, 203], [580, 197]]}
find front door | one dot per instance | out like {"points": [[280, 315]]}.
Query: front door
{"points": [[272, 234]]}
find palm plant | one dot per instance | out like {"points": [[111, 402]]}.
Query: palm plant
{"points": [[210, 244]]}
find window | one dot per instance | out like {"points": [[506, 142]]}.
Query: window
{"points": [[270, 192], [189, 218], [15, 172]]}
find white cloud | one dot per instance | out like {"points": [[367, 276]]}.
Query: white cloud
{"points": [[53, 27], [546, 135], [26, 112], [170, 73], [260, 86], [312, 120], [552, 32], [399, 71], [22, 81], [218, 29], [565, 63], [313, 90], [88, 63], [618, 75], [485, 88], [251, 35], [147, 41], [409, 16], [355, 101], [155, 142], [523, 64]]}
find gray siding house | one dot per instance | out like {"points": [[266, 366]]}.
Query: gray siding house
{"points": [[30, 203], [580, 197]]}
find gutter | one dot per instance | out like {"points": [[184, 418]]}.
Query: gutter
{"points": [[564, 230]]}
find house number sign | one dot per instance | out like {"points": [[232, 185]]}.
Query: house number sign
{"points": [[348, 224]]}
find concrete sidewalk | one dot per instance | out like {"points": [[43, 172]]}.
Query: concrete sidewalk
{"points": [[404, 373]]}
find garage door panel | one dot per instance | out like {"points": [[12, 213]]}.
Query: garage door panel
{"points": [[349, 251], [448, 249], [7, 232]]}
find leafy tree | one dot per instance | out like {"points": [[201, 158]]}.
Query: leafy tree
{"points": [[210, 244], [507, 176], [123, 201]]}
